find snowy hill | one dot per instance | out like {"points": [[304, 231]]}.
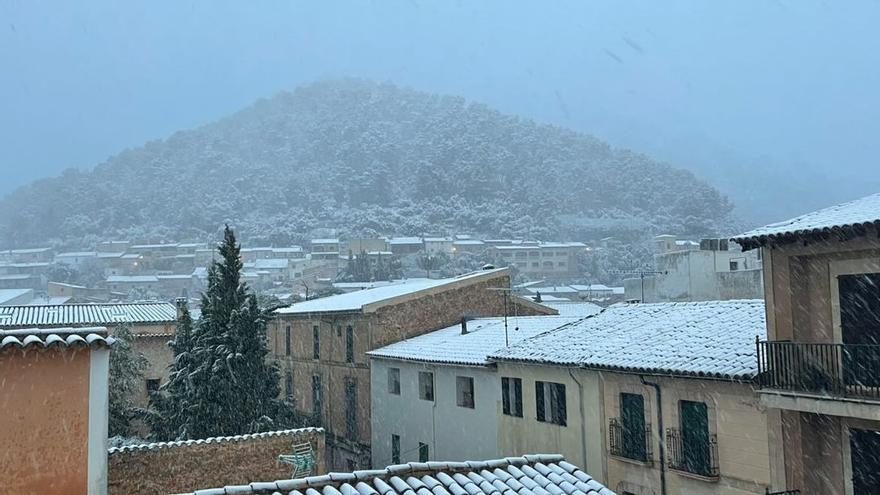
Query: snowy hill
{"points": [[364, 158]]}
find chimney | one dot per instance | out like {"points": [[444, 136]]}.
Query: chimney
{"points": [[180, 304], [464, 329]]}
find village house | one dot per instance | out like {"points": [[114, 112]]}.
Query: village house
{"points": [[819, 374], [711, 270], [437, 394], [325, 249], [53, 401], [539, 260], [401, 246], [152, 324], [320, 345], [652, 398], [531, 474]]}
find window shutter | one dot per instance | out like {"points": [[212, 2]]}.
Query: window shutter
{"points": [[505, 395], [517, 397], [539, 400]]}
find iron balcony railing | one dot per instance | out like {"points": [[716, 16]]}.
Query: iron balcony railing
{"points": [[784, 492], [837, 370], [690, 454], [630, 444]]}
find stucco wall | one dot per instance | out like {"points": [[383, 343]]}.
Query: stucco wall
{"points": [[187, 466], [734, 417], [451, 432], [44, 421], [580, 441]]}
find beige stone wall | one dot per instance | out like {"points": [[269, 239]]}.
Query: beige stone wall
{"points": [[178, 467], [735, 417]]}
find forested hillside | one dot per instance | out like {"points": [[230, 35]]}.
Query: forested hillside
{"points": [[364, 158]]}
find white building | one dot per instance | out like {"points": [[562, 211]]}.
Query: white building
{"points": [[440, 391], [715, 269]]}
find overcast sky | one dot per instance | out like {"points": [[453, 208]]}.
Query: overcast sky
{"points": [[783, 85]]}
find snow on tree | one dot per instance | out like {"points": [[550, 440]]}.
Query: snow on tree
{"points": [[126, 374]]}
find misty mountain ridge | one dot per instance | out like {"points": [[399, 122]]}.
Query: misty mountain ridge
{"points": [[362, 158]]}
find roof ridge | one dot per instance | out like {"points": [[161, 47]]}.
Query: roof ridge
{"points": [[200, 441]]}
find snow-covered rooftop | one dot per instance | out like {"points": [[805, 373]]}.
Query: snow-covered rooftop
{"points": [[132, 279], [556, 289], [855, 214], [566, 307], [77, 254], [86, 314], [484, 336], [356, 301], [10, 294], [325, 241], [236, 438], [56, 337], [268, 264], [712, 339], [542, 473], [405, 240]]}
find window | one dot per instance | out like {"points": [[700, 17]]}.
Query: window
{"points": [[629, 433], [349, 344], [561, 263], [316, 342], [511, 396], [288, 385], [550, 402], [394, 381], [351, 406], [316, 396], [152, 385], [692, 448], [395, 449], [287, 341], [423, 452], [536, 264], [464, 391], [426, 385], [734, 266]]}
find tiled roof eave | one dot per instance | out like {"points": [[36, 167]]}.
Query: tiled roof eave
{"points": [[837, 232], [736, 377]]}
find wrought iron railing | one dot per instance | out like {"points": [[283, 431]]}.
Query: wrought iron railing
{"points": [[838, 370], [784, 492], [690, 455], [630, 444]]}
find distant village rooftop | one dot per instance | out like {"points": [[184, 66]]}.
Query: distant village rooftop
{"points": [[370, 299], [530, 474], [843, 220], [713, 339], [484, 336]]}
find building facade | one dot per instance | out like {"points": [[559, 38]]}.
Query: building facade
{"points": [[321, 345], [819, 377], [53, 401]]}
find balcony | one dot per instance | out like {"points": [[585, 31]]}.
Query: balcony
{"points": [[688, 454], [828, 370], [626, 444]]}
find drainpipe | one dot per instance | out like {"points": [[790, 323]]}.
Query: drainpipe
{"points": [[583, 419], [659, 432]]}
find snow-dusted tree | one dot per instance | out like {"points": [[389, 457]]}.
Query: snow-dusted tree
{"points": [[221, 383], [126, 373], [234, 390]]}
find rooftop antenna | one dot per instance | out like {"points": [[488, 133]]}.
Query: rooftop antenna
{"points": [[641, 273], [506, 294]]}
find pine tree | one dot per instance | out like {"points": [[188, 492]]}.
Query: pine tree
{"points": [[126, 373]]}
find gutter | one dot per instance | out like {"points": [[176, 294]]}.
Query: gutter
{"points": [[662, 446]]}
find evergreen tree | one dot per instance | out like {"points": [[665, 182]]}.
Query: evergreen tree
{"points": [[126, 374], [221, 383]]}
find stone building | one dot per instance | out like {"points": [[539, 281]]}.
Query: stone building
{"points": [[53, 405], [320, 345], [819, 373], [652, 398]]}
